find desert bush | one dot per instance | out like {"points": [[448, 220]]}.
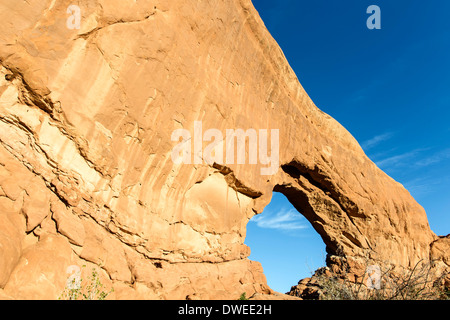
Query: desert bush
{"points": [[76, 289], [243, 296], [419, 283]]}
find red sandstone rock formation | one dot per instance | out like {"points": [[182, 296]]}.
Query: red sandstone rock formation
{"points": [[86, 175]]}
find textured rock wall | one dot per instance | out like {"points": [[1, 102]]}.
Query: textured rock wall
{"points": [[87, 177]]}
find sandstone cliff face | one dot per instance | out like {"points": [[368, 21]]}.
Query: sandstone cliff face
{"points": [[86, 173]]}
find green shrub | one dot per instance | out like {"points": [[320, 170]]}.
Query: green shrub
{"points": [[92, 290], [243, 296]]}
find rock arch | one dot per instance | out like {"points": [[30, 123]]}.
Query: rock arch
{"points": [[86, 118]]}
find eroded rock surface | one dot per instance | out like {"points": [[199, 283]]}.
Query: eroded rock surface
{"points": [[86, 174]]}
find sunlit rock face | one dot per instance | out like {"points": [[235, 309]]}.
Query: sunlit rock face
{"points": [[91, 98]]}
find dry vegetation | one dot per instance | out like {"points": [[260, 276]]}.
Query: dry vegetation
{"points": [[422, 282]]}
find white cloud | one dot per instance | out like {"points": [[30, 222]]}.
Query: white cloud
{"points": [[435, 158], [401, 159], [284, 220], [414, 159], [421, 186], [368, 144]]}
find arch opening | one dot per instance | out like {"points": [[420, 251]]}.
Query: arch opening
{"points": [[285, 243]]}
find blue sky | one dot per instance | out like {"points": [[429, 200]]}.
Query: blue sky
{"points": [[390, 88]]}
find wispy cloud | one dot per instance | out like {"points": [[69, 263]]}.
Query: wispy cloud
{"points": [[417, 170], [283, 220], [368, 144], [422, 186], [398, 160], [415, 158], [435, 158]]}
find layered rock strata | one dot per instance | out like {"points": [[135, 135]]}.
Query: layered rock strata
{"points": [[87, 177]]}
